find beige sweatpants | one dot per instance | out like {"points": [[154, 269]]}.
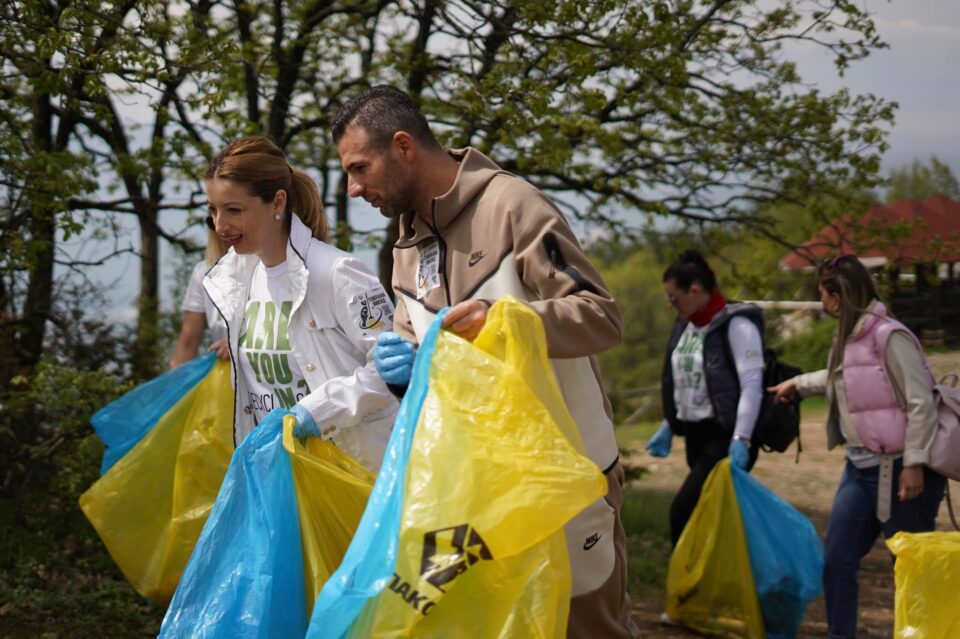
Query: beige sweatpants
{"points": [[604, 611]]}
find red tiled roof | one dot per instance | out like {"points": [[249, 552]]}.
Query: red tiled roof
{"points": [[934, 236]]}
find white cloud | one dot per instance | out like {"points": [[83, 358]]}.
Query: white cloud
{"points": [[915, 27]]}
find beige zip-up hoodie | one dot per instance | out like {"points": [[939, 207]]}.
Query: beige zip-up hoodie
{"points": [[494, 234]]}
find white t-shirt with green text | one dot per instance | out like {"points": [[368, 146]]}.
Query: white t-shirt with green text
{"points": [[274, 379], [690, 391]]}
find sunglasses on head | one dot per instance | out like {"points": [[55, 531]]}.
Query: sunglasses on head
{"points": [[210, 224], [832, 264]]}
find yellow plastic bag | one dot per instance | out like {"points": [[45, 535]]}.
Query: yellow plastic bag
{"points": [[710, 584], [495, 471], [332, 490], [150, 507], [928, 580]]}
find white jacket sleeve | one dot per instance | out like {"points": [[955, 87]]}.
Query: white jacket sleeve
{"points": [[362, 310], [747, 348]]}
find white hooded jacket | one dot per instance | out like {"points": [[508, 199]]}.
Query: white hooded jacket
{"points": [[338, 311]]}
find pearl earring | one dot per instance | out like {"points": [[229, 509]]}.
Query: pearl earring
{"points": [[276, 217]]}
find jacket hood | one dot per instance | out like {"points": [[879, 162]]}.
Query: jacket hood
{"points": [[475, 172]]}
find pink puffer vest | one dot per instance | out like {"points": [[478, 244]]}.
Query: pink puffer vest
{"points": [[876, 411]]}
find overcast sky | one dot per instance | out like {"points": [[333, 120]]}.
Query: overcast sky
{"points": [[919, 71]]}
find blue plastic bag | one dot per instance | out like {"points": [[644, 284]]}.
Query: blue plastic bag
{"points": [[786, 555], [245, 577], [368, 564], [122, 423]]}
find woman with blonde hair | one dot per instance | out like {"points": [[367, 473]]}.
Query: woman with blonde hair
{"points": [[301, 316], [880, 404], [199, 314]]}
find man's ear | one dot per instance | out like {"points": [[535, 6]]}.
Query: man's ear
{"points": [[404, 145]]}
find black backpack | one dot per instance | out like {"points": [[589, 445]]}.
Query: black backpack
{"points": [[779, 423]]}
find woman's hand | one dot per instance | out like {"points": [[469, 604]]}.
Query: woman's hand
{"points": [[659, 445], [786, 391], [911, 482], [222, 348]]}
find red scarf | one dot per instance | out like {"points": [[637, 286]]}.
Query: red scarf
{"points": [[702, 317]]}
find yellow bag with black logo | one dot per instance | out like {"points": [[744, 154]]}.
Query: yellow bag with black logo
{"points": [[152, 503], [710, 585], [491, 473]]}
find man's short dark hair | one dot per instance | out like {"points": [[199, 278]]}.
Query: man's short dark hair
{"points": [[381, 111]]}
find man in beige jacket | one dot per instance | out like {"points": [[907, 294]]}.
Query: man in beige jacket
{"points": [[471, 233]]}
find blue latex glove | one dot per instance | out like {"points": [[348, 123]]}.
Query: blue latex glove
{"points": [[305, 427], [659, 444], [739, 453], [393, 357]]}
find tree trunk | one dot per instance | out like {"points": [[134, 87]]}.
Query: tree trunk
{"points": [[146, 359], [42, 233]]}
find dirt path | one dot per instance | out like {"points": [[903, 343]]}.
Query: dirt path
{"points": [[809, 485]]}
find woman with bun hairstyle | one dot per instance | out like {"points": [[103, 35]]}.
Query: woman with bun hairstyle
{"points": [[878, 388], [302, 317], [712, 383]]}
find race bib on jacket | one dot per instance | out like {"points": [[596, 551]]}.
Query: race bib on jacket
{"points": [[428, 272]]}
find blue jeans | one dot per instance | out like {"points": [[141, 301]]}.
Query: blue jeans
{"points": [[854, 527]]}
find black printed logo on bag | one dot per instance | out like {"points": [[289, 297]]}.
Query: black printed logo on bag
{"points": [[448, 552]]}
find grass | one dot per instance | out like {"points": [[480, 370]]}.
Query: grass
{"points": [[645, 519], [634, 436], [813, 406], [645, 516], [941, 349], [57, 580]]}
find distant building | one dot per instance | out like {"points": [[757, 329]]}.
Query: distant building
{"points": [[918, 246]]}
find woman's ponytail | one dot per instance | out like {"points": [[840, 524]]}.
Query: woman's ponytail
{"points": [[305, 202]]}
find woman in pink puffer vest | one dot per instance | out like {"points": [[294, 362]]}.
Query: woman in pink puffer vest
{"points": [[880, 404]]}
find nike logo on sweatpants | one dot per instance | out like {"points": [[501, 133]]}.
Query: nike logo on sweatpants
{"points": [[591, 541]]}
